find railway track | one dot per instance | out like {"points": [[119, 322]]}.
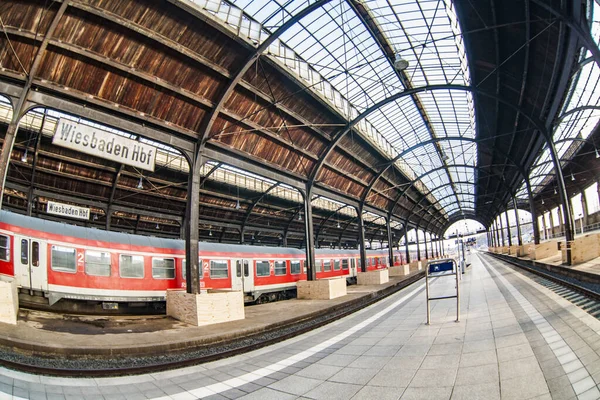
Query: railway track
{"points": [[583, 293], [86, 366]]}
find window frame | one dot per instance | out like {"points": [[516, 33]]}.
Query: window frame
{"points": [[163, 258], [6, 248], [132, 277], [210, 269], [256, 262], [285, 269], [299, 267], [347, 264], [85, 262], [74, 271]]}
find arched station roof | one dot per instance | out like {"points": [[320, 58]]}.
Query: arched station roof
{"points": [[276, 95]]}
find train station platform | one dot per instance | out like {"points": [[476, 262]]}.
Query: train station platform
{"points": [[515, 340], [104, 338]]}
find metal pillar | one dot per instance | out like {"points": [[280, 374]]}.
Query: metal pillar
{"points": [[192, 232], [311, 273], [560, 220], [501, 230], [425, 241], [406, 241], [361, 239], [508, 229], [564, 199], [418, 247], [389, 236], [519, 234], [544, 227], [534, 223]]}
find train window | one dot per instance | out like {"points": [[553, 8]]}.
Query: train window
{"points": [[131, 266], [64, 259], [238, 268], [246, 269], [4, 248], [35, 254], [97, 263], [336, 265], [344, 263], [184, 267], [218, 269], [371, 261], [263, 268], [295, 267], [280, 268], [24, 251], [326, 265], [163, 268]]}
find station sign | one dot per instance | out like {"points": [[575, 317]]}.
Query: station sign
{"points": [[100, 143], [67, 210]]}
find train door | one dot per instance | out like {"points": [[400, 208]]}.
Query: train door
{"points": [[353, 267], [30, 263], [243, 277]]}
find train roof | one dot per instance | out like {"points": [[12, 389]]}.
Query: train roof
{"points": [[65, 229]]}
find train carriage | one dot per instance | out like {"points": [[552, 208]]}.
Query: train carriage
{"points": [[60, 261]]}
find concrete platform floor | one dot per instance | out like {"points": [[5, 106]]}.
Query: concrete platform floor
{"points": [[58, 334], [515, 340]]}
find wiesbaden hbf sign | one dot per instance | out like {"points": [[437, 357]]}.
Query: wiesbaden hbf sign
{"points": [[67, 210], [100, 143]]}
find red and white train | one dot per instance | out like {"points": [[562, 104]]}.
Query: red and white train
{"points": [[62, 261]]}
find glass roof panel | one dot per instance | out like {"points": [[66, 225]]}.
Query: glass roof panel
{"points": [[575, 123], [335, 53]]}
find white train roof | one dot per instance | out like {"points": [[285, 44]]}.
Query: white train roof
{"points": [[61, 228]]}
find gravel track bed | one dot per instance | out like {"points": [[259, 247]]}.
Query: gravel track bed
{"points": [[593, 287]]}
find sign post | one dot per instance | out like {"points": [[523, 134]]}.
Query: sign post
{"points": [[440, 268]]}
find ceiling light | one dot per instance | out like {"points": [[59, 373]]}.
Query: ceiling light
{"points": [[338, 225], [399, 63], [210, 232], [299, 217], [237, 205], [597, 155], [572, 177], [157, 227], [140, 185], [542, 201], [554, 190], [24, 156]]}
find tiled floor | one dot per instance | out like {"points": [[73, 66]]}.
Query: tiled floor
{"points": [[515, 340]]}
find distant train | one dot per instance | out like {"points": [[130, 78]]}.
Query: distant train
{"points": [[60, 261]]}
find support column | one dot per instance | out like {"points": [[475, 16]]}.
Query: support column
{"points": [[501, 230], [584, 211], [192, 233], [425, 241], [508, 229], [534, 223], [551, 223], [560, 220], [564, 199], [497, 233], [418, 247], [519, 234], [544, 227], [361, 239], [406, 241], [311, 273], [389, 236]]}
